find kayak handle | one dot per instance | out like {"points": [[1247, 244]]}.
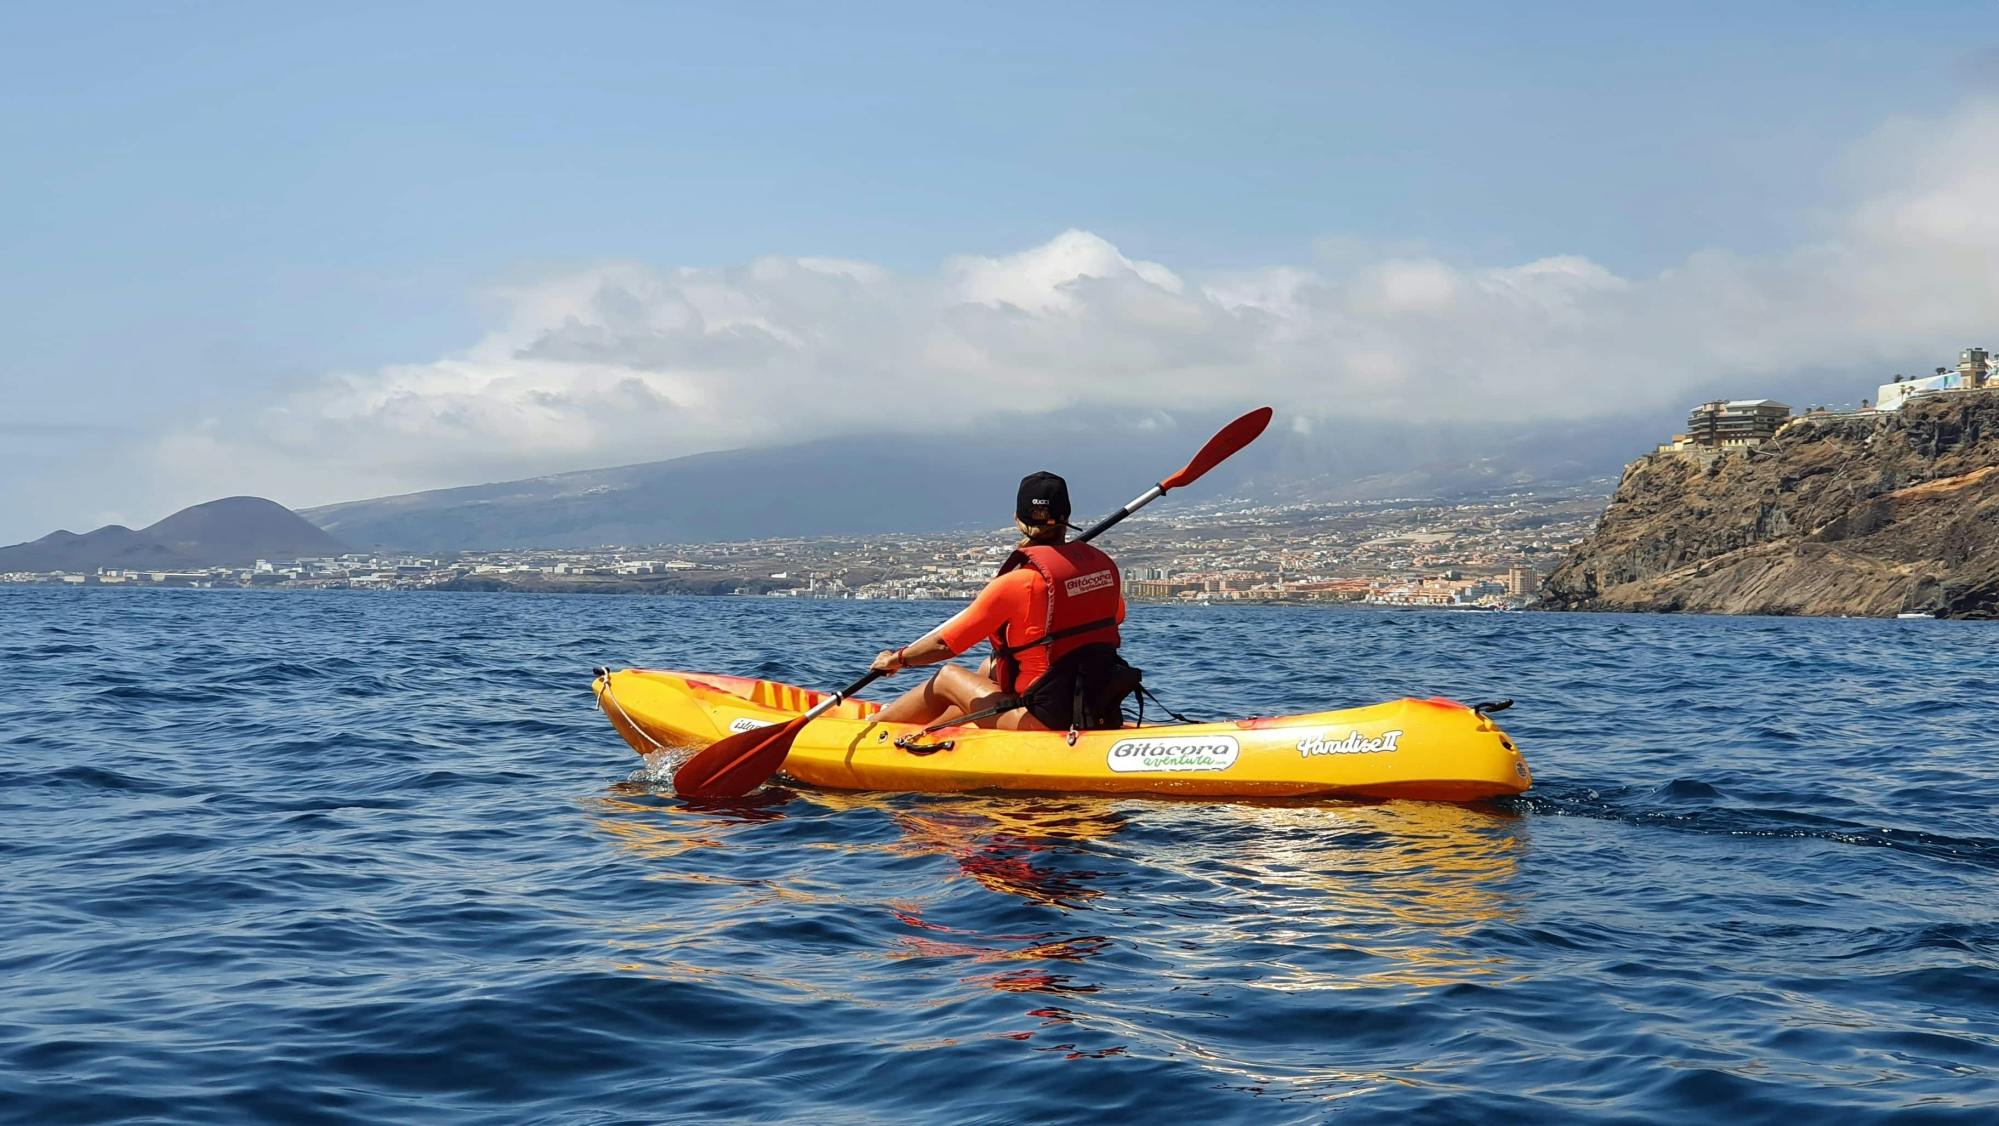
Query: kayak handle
{"points": [[909, 743]]}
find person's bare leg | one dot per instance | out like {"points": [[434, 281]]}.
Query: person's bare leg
{"points": [[954, 691], [924, 703]]}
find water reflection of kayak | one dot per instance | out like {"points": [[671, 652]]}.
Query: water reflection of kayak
{"points": [[1408, 748]]}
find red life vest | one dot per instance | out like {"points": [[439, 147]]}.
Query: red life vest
{"points": [[1078, 605]]}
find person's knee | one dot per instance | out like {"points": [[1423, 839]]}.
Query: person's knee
{"points": [[964, 687], [956, 682]]}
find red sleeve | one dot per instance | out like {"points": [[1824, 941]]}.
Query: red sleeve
{"points": [[1003, 598]]}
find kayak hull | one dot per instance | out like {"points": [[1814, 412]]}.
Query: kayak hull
{"points": [[1434, 750]]}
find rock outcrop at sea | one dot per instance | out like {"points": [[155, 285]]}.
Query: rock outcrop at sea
{"points": [[1870, 514]]}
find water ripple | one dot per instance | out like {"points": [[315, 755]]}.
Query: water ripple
{"points": [[364, 857]]}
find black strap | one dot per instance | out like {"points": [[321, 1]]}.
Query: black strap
{"points": [[1008, 669], [1008, 702], [1004, 651], [1144, 693]]}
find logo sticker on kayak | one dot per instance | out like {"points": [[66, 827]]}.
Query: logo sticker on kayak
{"points": [[744, 723], [1174, 752], [1354, 744]]}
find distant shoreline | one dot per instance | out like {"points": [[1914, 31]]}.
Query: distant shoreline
{"points": [[629, 590], [1255, 603]]}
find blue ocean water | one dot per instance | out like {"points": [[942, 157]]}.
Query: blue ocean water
{"points": [[348, 857]]}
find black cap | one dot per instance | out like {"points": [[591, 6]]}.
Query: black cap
{"points": [[1043, 499]]}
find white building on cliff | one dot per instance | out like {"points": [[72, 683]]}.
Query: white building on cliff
{"points": [[1975, 369]]}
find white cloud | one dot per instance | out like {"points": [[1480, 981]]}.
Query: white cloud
{"points": [[627, 362], [1046, 278]]}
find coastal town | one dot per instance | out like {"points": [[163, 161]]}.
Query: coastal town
{"points": [[1486, 552]]}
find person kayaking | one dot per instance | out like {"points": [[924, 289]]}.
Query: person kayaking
{"points": [[1052, 616]]}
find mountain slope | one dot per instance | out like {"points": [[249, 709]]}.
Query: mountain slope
{"points": [[113, 545], [888, 484]]}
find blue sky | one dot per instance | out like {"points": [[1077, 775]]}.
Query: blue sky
{"points": [[211, 211]]}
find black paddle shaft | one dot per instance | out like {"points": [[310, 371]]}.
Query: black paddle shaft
{"points": [[848, 692], [1111, 521]]}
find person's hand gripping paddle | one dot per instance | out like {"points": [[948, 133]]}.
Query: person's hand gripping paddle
{"points": [[732, 767]]}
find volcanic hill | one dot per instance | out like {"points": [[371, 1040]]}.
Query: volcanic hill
{"points": [[231, 532]]}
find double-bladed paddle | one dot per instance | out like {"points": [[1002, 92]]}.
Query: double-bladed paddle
{"points": [[732, 767]]}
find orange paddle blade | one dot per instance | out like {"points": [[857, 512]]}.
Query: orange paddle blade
{"points": [[1231, 438], [734, 766]]}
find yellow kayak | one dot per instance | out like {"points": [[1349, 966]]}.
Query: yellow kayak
{"points": [[1435, 750]]}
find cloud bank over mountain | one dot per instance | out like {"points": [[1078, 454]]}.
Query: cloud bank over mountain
{"points": [[627, 362]]}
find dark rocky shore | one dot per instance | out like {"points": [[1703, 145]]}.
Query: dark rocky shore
{"points": [[1873, 514]]}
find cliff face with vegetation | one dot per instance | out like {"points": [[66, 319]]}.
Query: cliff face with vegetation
{"points": [[1865, 515]]}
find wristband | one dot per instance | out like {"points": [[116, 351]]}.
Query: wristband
{"points": [[901, 661]]}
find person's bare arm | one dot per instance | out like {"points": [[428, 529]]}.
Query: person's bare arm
{"points": [[963, 631]]}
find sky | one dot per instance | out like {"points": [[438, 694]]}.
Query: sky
{"points": [[347, 251]]}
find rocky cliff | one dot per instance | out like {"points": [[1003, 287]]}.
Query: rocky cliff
{"points": [[1863, 515]]}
